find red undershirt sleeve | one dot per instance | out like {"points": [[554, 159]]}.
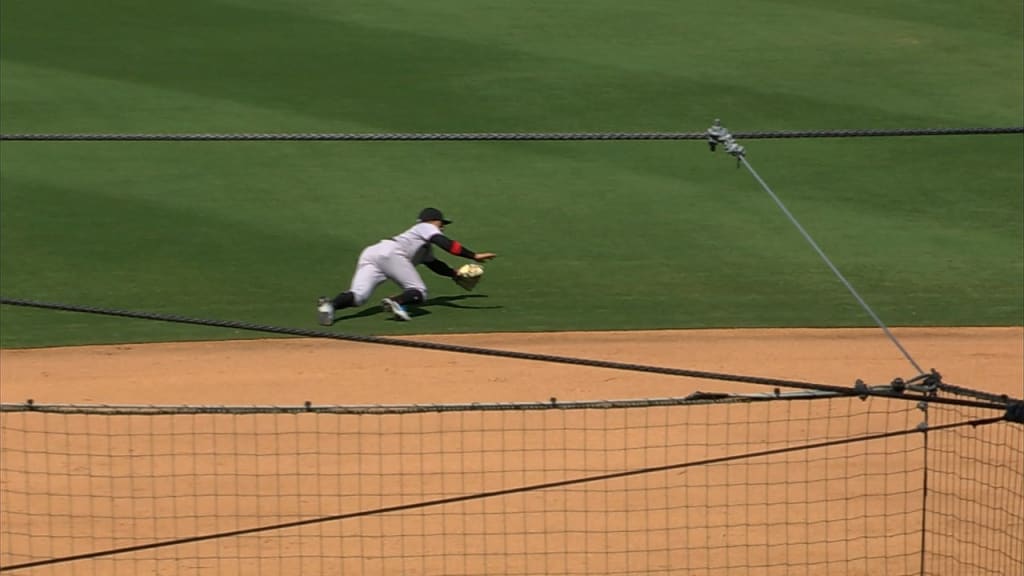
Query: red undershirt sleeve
{"points": [[452, 246]]}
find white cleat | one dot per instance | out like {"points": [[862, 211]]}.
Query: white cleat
{"points": [[325, 311], [395, 308]]}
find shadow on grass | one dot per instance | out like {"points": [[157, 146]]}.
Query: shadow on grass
{"points": [[421, 310]]}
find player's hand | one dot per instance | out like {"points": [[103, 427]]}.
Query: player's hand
{"points": [[484, 256]]}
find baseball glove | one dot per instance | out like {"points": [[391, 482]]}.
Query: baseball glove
{"points": [[469, 275]]}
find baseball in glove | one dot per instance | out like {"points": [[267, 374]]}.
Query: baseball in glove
{"points": [[469, 275]]}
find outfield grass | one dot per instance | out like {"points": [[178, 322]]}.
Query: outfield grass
{"points": [[592, 235]]}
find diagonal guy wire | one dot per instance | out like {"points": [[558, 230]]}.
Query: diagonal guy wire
{"points": [[742, 159]]}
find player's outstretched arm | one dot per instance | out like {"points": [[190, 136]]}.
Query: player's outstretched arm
{"points": [[440, 268], [456, 248]]}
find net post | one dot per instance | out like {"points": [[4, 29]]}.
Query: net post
{"points": [[923, 427]]}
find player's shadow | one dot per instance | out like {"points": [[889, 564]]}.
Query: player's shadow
{"points": [[450, 302], [422, 309]]}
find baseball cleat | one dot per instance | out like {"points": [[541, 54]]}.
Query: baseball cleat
{"points": [[325, 311], [395, 308]]}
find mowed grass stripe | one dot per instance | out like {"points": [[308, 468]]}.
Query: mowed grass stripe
{"points": [[359, 70]]}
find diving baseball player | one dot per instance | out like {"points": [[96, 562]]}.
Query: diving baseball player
{"points": [[396, 259]]}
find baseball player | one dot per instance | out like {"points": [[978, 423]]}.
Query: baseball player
{"points": [[396, 259]]}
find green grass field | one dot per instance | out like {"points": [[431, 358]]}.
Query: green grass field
{"points": [[591, 235]]}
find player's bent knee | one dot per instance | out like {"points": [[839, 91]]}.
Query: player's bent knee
{"points": [[360, 297], [414, 295]]}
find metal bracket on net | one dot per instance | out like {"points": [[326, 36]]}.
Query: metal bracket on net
{"points": [[927, 384], [898, 387], [719, 135]]}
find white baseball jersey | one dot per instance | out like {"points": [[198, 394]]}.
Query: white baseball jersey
{"points": [[414, 243], [395, 259]]}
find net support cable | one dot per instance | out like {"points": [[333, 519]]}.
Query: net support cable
{"points": [[922, 394], [503, 136]]}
